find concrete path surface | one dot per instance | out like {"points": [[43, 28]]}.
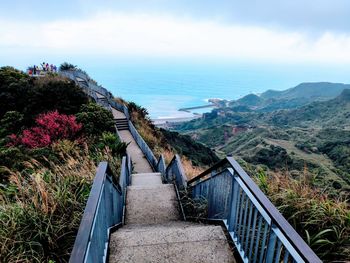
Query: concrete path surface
{"points": [[154, 231], [140, 163]]}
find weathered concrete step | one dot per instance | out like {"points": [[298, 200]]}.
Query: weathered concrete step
{"points": [[167, 233], [173, 243], [151, 204], [119, 127], [146, 179]]}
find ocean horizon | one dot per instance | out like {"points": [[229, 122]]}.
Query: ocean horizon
{"points": [[163, 86]]}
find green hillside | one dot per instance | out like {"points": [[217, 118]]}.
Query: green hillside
{"points": [[298, 96], [315, 137]]}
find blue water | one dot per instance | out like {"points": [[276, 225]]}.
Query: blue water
{"points": [[165, 85]]}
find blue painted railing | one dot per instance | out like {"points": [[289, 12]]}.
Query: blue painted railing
{"points": [[259, 231], [175, 173], [104, 210], [161, 167]]}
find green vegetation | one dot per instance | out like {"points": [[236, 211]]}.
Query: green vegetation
{"points": [[323, 221], [95, 119], [184, 145], [67, 66], [30, 97], [168, 143], [299, 155], [51, 140]]}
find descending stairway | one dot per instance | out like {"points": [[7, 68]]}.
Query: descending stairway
{"points": [[154, 231], [122, 124]]}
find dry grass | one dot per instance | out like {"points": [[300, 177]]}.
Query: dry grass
{"points": [[191, 171], [41, 207], [323, 221]]}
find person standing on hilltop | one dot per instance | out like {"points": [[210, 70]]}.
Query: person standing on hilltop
{"points": [[34, 70]]}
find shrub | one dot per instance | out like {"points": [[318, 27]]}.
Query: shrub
{"points": [[111, 140], [11, 123], [19, 92], [95, 119], [54, 93], [14, 88], [50, 127], [67, 66]]}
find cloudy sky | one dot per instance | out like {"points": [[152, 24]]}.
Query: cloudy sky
{"points": [[301, 31]]}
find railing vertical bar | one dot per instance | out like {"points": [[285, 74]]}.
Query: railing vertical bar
{"points": [[278, 251], [271, 246], [248, 232], [258, 239], [234, 204], [239, 204], [255, 216], [286, 256], [244, 223], [240, 217], [262, 249]]}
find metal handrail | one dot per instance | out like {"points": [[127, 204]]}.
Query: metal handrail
{"points": [[161, 167], [175, 172], [246, 198], [104, 210]]}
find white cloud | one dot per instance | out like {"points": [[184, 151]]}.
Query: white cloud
{"points": [[139, 34]]}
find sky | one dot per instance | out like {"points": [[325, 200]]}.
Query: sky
{"points": [[271, 31]]}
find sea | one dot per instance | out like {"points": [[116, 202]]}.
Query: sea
{"points": [[163, 86]]}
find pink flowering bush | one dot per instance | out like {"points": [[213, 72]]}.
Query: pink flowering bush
{"points": [[50, 127]]}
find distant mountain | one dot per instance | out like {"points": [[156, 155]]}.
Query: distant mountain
{"points": [[298, 96], [334, 112], [309, 90]]}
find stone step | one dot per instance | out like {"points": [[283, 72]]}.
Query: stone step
{"points": [[121, 121], [174, 242], [146, 179], [151, 204]]}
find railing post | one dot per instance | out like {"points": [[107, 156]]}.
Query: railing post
{"points": [[233, 206], [270, 248]]}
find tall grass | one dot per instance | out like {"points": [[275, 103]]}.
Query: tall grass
{"points": [[323, 221], [41, 206]]}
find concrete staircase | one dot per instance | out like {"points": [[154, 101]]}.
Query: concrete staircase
{"points": [[154, 231], [122, 124]]}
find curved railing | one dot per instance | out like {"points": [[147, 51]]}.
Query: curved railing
{"points": [[161, 167], [259, 231], [104, 210], [176, 173]]}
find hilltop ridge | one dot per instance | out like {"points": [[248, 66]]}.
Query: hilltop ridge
{"points": [[295, 97]]}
